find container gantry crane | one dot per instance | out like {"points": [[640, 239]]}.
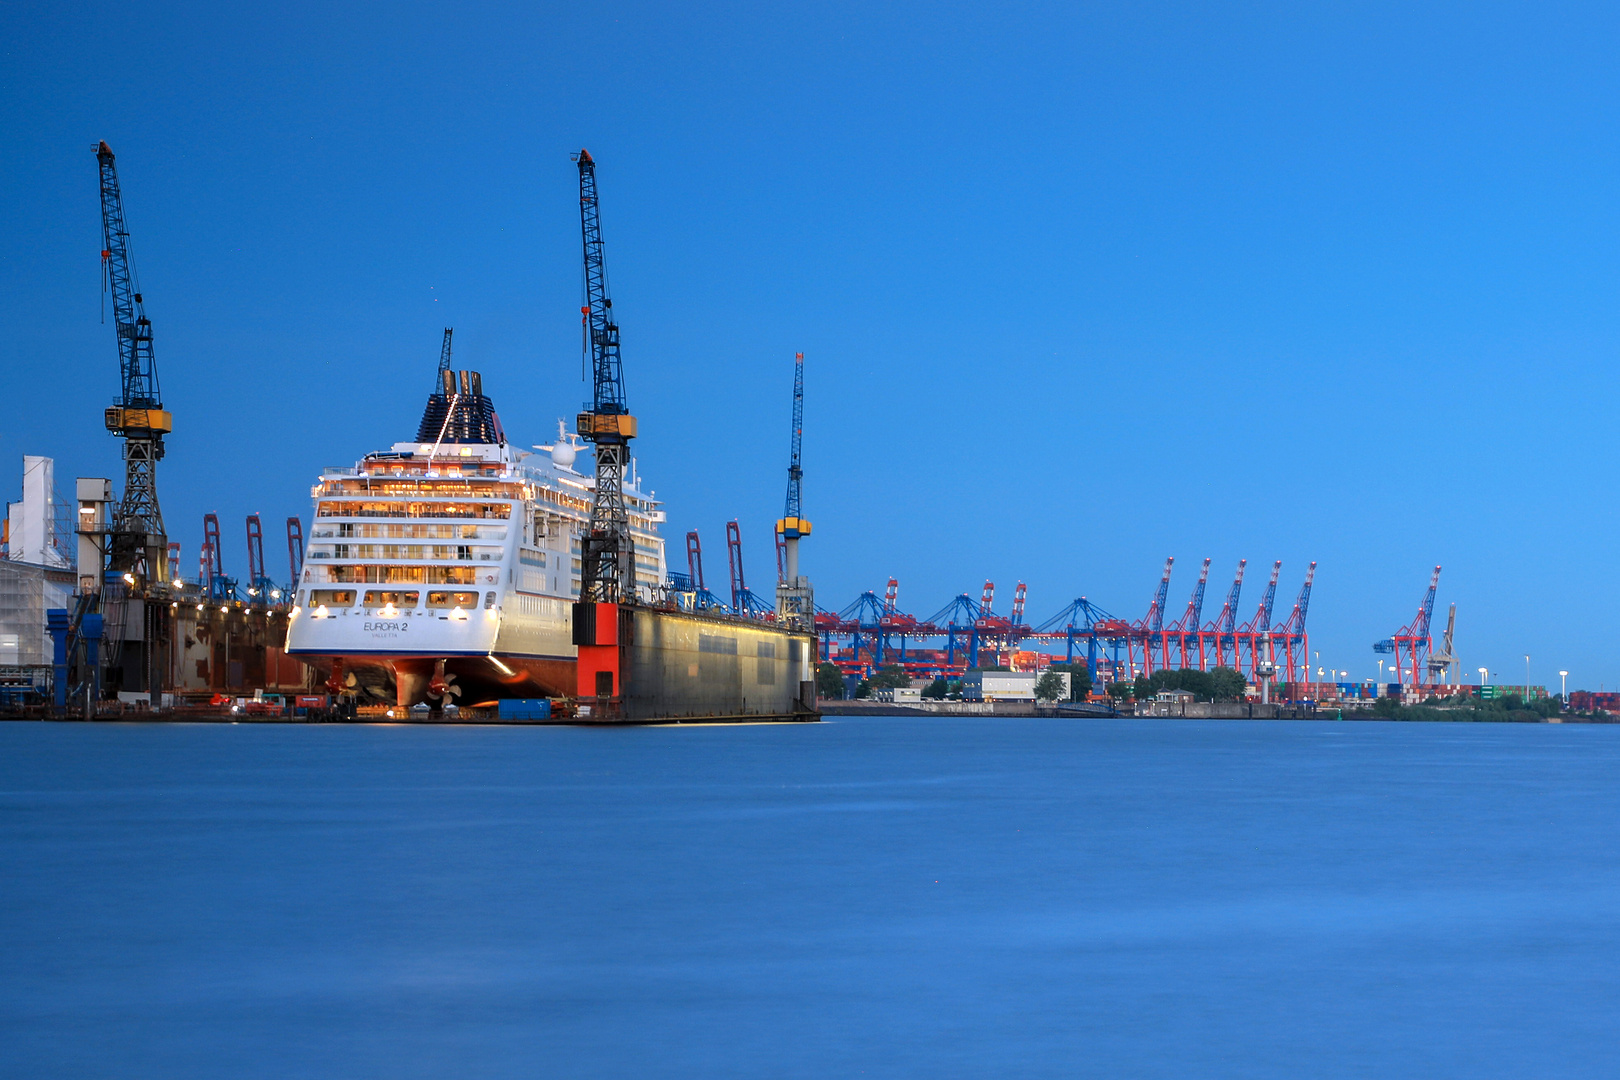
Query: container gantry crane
{"points": [[1291, 634], [216, 586], [1254, 632], [1187, 625], [795, 603], [1224, 628], [1150, 629], [958, 619], [1085, 621], [137, 546], [260, 588], [1413, 640], [743, 600], [1442, 664], [295, 551]]}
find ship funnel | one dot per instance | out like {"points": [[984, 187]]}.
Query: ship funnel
{"points": [[464, 417]]}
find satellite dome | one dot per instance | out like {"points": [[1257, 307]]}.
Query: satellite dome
{"points": [[563, 453]]}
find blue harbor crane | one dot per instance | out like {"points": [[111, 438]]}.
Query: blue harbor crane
{"points": [[137, 547], [795, 605], [607, 571]]}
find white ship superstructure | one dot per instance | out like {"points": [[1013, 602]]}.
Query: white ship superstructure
{"points": [[445, 570]]}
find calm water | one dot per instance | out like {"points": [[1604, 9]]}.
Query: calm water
{"points": [[887, 897]]}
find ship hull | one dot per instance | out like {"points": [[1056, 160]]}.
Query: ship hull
{"points": [[467, 680], [412, 659]]}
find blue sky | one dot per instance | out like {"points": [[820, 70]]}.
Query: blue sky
{"points": [[1079, 287]]}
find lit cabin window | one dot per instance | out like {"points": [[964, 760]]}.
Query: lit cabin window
{"points": [[378, 598]]}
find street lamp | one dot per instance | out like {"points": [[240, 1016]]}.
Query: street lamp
{"points": [[1527, 676], [1563, 688]]}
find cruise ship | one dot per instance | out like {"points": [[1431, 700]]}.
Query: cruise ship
{"points": [[443, 571]]}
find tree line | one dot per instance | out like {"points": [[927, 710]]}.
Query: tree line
{"points": [[1221, 684]]}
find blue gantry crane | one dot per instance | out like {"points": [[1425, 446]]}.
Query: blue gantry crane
{"points": [[1083, 622]]}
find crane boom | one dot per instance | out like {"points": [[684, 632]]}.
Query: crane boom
{"points": [[607, 570], [137, 546], [138, 383], [444, 361], [1195, 602], [1154, 620], [795, 473], [1226, 621], [1262, 614], [295, 548]]}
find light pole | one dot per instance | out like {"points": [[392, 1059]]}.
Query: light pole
{"points": [[1563, 689], [1380, 671], [1526, 676]]}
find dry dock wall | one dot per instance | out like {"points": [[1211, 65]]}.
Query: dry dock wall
{"points": [[681, 665]]}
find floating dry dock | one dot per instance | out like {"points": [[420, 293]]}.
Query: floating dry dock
{"points": [[645, 664]]}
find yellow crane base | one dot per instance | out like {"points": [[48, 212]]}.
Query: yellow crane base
{"points": [[157, 421], [597, 425]]}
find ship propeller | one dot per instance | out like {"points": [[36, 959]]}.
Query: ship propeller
{"points": [[444, 687]]}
